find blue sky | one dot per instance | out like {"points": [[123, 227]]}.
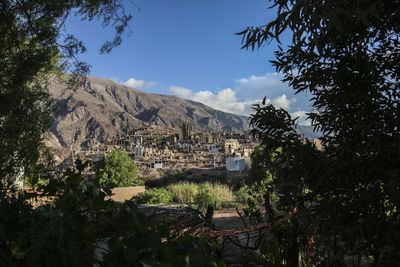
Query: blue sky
{"points": [[188, 48]]}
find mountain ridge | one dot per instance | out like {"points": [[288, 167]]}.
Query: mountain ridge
{"points": [[101, 109]]}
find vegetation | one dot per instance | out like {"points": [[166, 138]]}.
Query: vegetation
{"points": [[344, 200], [185, 131], [118, 169], [259, 170], [183, 192], [202, 195], [33, 52], [242, 194], [205, 198], [79, 226], [178, 176], [155, 196], [345, 55]]}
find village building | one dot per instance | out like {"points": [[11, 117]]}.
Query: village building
{"points": [[136, 140], [161, 149], [235, 164], [158, 164], [230, 145]]}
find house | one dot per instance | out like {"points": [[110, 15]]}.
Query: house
{"points": [[230, 145], [235, 164], [158, 164], [206, 138], [136, 140]]}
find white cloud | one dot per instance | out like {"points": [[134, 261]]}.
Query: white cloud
{"points": [[132, 82], [183, 92], [269, 85], [283, 102], [225, 100], [246, 92], [302, 117], [138, 84]]}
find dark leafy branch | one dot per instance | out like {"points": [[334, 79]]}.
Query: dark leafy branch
{"points": [[345, 55]]}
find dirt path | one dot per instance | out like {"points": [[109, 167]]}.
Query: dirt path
{"points": [[226, 219]]}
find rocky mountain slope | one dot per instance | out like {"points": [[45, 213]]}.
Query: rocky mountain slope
{"points": [[308, 131], [101, 109]]}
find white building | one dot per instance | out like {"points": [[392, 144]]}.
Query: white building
{"points": [[230, 145], [235, 164], [158, 164]]}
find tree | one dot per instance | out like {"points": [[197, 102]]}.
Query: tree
{"points": [[346, 55], [35, 47], [69, 230], [185, 131], [80, 228], [258, 170], [118, 169]]}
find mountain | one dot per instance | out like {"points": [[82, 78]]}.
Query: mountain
{"points": [[308, 131], [102, 109]]}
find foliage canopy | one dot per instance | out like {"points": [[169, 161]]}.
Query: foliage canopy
{"points": [[117, 168], [35, 47], [80, 228], [346, 55]]}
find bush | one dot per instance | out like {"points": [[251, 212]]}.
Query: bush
{"points": [[205, 198], [183, 192], [38, 182], [242, 195], [221, 190], [70, 230], [154, 196], [202, 195]]}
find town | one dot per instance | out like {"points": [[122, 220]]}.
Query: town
{"points": [[158, 150]]}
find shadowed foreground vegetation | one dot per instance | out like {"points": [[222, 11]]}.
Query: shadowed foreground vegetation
{"points": [[335, 207]]}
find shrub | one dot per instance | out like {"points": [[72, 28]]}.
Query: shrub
{"points": [[202, 195], [183, 192], [242, 195], [72, 229], [221, 190], [38, 182], [205, 198], [154, 196]]}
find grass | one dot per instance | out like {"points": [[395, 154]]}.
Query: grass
{"points": [[202, 195], [183, 191]]}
